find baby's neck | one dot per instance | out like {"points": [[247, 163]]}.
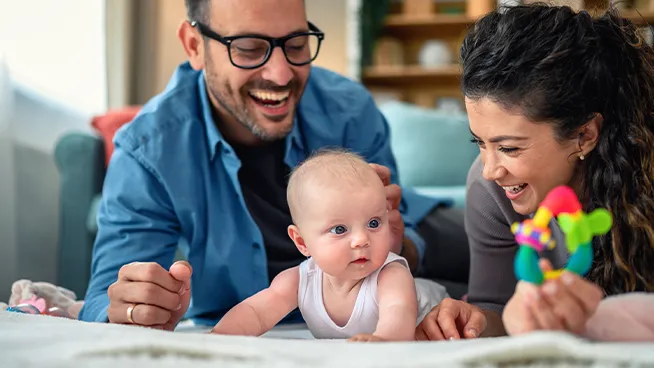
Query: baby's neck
{"points": [[341, 286]]}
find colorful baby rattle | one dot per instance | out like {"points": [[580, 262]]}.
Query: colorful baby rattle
{"points": [[534, 235]]}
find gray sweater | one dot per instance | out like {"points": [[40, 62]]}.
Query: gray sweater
{"points": [[488, 219]]}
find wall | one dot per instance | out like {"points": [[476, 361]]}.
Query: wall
{"points": [[57, 86], [330, 16], [7, 216]]}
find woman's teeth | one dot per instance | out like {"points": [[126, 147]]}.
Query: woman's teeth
{"points": [[515, 188]]}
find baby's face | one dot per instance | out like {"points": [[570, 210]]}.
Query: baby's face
{"points": [[346, 229]]}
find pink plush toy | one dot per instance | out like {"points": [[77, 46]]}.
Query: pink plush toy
{"points": [[626, 317], [44, 298]]}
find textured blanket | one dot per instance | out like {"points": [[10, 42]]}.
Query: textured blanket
{"points": [[41, 341]]}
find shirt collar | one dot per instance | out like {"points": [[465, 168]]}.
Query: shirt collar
{"points": [[214, 138], [213, 135]]}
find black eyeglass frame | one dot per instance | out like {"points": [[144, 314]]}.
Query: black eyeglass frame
{"points": [[274, 42]]}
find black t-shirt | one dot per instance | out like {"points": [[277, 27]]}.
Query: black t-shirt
{"points": [[264, 176]]}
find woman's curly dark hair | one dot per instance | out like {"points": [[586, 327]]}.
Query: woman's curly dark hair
{"points": [[563, 67]]}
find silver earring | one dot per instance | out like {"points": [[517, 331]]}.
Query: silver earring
{"points": [[582, 157]]}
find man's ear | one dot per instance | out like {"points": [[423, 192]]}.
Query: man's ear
{"points": [[193, 44], [294, 234], [589, 134]]}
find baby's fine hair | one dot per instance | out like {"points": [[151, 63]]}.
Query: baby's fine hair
{"points": [[328, 166]]}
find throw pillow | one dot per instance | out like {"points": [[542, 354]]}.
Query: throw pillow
{"points": [[108, 124]]}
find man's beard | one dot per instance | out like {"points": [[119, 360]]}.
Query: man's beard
{"points": [[227, 99]]}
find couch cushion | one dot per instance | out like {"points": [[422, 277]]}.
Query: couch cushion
{"points": [[108, 124], [432, 148]]}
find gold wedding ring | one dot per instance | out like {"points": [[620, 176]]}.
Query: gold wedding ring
{"points": [[130, 311]]}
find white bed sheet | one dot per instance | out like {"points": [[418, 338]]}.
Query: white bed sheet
{"points": [[41, 341]]}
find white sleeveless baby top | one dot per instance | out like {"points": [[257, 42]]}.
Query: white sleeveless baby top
{"points": [[364, 316]]}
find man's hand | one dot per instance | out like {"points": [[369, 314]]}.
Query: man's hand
{"points": [[393, 197], [452, 319], [146, 294]]}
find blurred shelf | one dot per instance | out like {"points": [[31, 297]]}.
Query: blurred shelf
{"points": [[410, 75], [428, 25], [448, 25]]}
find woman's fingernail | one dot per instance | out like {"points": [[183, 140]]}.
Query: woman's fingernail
{"points": [[451, 338], [567, 278], [550, 288], [472, 332], [179, 307], [182, 290]]}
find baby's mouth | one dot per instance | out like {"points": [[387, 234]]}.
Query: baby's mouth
{"points": [[361, 260]]}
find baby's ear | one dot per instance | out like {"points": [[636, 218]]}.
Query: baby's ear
{"points": [[294, 234]]}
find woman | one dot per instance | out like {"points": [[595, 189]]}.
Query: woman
{"points": [[554, 97]]}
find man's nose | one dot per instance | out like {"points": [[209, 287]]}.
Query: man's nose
{"points": [[277, 69]]}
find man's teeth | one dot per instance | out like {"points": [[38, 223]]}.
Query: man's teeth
{"points": [[515, 188], [269, 96]]}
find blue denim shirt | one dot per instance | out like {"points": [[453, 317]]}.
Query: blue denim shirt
{"points": [[172, 180]]}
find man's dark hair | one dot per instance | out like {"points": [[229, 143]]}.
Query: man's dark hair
{"points": [[198, 10]]}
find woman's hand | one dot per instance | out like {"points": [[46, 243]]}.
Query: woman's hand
{"points": [[564, 304], [452, 319]]}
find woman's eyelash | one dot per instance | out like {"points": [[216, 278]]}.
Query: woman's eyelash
{"points": [[501, 149]]}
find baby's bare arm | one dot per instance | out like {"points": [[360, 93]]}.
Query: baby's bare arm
{"points": [[259, 313], [398, 304]]}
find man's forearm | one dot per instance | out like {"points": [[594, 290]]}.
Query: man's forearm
{"points": [[494, 326]]}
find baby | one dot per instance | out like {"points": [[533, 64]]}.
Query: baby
{"points": [[351, 286]]}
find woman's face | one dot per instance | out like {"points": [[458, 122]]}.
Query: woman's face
{"points": [[521, 156]]}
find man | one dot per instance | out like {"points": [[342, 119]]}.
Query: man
{"points": [[204, 166]]}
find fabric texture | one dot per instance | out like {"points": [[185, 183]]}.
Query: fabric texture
{"points": [[47, 342], [267, 203], [172, 176]]}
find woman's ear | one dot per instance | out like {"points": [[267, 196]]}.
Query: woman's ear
{"points": [[589, 134], [294, 234]]}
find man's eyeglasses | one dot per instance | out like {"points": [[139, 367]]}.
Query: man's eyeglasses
{"points": [[253, 51]]}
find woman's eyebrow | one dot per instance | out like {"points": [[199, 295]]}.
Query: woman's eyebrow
{"points": [[501, 138]]}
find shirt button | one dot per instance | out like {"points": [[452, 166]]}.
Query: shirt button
{"points": [[256, 245]]}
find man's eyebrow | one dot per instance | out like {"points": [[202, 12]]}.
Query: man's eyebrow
{"points": [[254, 34], [501, 138]]}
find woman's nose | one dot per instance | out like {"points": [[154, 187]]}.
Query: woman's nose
{"points": [[493, 170]]}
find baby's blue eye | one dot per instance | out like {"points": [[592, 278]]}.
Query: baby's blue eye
{"points": [[338, 230], [374, 223]]}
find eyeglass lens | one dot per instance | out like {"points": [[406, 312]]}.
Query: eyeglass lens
{"points": [[248, 52]]}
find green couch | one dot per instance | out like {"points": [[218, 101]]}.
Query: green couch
{"points": [[432, 149]]}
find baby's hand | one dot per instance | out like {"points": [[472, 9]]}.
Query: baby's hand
{"points": [[365, 338]]}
